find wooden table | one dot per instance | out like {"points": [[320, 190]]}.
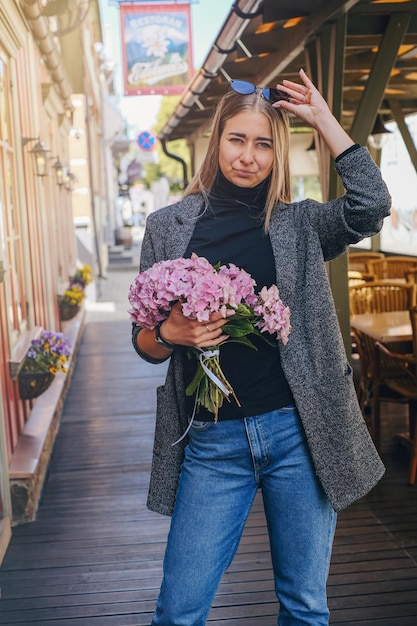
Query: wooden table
{"points": [[389, 328], [384, 327]]}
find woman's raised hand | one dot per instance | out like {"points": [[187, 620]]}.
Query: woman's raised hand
{"points": [[306, 100], [307, 103]]}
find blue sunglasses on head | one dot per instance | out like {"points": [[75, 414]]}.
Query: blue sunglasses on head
{"points": [[269, 93]]}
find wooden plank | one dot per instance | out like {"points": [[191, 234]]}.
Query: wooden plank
{"points": [[94, 555]]}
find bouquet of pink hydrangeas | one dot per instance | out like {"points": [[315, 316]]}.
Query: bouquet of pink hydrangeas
{"points": [[203, 289]]}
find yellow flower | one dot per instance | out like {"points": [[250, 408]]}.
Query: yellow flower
{"points": [[87, 273], [73, 295]]}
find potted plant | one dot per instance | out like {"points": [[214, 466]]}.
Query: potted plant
{"points": [[47, 355], [83, 276], [70, 301]]}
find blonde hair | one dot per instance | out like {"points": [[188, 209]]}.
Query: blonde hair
{"points": [[231, 104]]}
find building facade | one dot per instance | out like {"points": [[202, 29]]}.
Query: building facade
{"points": [[55, 212]]}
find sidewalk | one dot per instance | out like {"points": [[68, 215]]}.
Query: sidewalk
{"points": [[93, 557]]}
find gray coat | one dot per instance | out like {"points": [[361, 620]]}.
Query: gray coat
{"points": [[303, 235]]}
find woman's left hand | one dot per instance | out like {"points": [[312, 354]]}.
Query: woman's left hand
{"points": [[307, 103]]}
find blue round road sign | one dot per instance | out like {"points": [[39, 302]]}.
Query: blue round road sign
{"points": [[147, 140]]}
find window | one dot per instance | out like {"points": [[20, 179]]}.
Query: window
{"points": [[10, 234], [399, 233]]}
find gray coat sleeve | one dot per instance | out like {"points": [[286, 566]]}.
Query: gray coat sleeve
{"points": [[359, 213]]}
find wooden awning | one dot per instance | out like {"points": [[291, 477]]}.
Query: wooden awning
{"points": [[361, 54]]}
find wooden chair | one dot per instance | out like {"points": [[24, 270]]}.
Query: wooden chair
{"points": [[355, 278], [364, 346], [392, 267], [398, 373], [381, 296], [358, 261], [411, 276], [375, 297]]}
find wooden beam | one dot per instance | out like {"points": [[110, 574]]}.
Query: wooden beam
{"points": [[379, 77], [296, 39], [325, 63], [405, 133], [338, 268]]}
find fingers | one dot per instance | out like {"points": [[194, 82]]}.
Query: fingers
{"points": [[308, 84], [188, 332], [297, 91], [217, 316], [180, 330], [306, 102], [294, 89], [212, 329], [306, 80], [208, 343], [211, 334]]}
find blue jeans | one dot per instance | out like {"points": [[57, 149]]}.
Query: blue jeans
{"points": [[224, 465]]}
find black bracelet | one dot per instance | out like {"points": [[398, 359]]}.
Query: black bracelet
{"points": [[160, 340]]}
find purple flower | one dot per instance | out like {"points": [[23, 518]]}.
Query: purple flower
{"points": [[50, 353]]}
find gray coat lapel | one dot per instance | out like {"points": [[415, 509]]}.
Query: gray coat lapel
{"points": [[283, 241], [184, 217]]}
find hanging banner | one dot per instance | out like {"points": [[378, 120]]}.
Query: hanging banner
{"points": [[156, 48]]}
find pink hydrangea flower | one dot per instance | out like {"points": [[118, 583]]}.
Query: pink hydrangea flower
{"points": [[202, 290], [274, 315], [196, 283]]}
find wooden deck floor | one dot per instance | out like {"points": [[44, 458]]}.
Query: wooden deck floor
{"points": [[94, 555]]}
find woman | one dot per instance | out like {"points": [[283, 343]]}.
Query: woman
{"points": [[299, 435]]}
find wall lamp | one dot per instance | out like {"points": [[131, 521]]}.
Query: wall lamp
{"points": [[379, 134], [39, 151], [312, 146], [60, 172], [69, 180]]}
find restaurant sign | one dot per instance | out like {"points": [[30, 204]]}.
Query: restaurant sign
{"points": [[156, 48]]}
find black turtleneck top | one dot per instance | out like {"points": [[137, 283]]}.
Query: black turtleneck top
{"points": [[231, 231]]}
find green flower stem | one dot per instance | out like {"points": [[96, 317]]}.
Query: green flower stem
{"points": [[209, 394]]}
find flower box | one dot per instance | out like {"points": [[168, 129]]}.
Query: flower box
{"points": [[68, 311], [46, 356], [33, 384], [20, 350], [70, 301]]}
